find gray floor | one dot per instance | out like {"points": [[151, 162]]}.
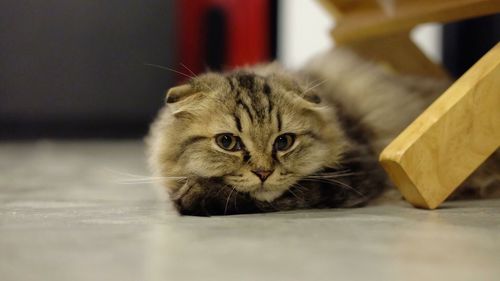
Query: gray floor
{"points": [[72, 211]]}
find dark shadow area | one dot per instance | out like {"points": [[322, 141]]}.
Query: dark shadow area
{"points": [[76, 68], [465, 42], [85, 69]]}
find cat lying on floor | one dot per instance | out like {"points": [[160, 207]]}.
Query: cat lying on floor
{"points": [[261, 139]]}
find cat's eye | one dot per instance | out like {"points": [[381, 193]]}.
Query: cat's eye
{"points": [[228, 142], [284, 142]]}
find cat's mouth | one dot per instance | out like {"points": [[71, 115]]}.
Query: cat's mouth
{"points": [[262, 191]]}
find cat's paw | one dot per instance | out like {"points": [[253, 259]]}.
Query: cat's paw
{"points": [[191, 200], [209, 198]]}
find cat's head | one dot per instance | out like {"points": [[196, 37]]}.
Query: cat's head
{"points": [[259, 132]]}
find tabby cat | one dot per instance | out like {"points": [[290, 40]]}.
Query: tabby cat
{"points": [[261, 139]]}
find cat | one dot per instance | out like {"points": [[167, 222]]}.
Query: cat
{"points": [[264, 139]]}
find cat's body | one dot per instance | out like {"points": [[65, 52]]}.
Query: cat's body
{"points": [[261, 139]]}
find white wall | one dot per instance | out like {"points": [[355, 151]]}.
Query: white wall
{"points": [[304, 31], [428, 38]]}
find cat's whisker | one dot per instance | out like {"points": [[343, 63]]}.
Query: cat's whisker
{"points": [[228, 198], [330, 172], [309, 83], [155, 178], [135, 180], [235, 199], [299, 188], [321, 178], [299, 185], [194, 76], [332, 181], [314, 86], [269, 203], [356, 159], [335, 174], [132, 183], [120, 173], [295, 195], [170, 69], [136, 177], [222, 188], [190, 71], [138, 182], [144, 179], [333, 171], [325, 176]]}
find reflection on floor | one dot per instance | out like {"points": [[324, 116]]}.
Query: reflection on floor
{"points": [[80, 211]]}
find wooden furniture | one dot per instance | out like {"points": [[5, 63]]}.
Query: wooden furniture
{"points": [[443, 146], [398, 52], [362, 19], [450, 139]]}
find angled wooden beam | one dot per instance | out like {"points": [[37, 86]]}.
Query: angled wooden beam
{"points": [[399, 53], [393, 49], [450, 139], [360, 20]]}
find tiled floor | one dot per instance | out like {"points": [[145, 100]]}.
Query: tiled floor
{"points": [[68, 211]]}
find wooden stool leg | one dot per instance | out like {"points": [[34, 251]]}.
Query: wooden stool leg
{"points": [[399, 53], [447, 142]]}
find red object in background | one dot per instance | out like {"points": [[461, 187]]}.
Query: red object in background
{"points": [[236, 31]]}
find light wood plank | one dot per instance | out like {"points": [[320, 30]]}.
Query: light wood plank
{"points": [[445, 144], [400, 54], [359, 20]]}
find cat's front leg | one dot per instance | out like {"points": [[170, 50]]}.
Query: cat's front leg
{"points": [[211, 197], [193, 197]]}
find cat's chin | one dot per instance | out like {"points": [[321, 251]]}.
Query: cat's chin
{"points": [[266, 195]]}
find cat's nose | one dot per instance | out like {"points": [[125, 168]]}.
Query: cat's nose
{"points": [[262, 174]]}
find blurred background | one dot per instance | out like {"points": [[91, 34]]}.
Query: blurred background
{"points": [[99, 69]]}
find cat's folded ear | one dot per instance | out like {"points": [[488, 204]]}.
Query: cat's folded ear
{"points": [[179, 93]]}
